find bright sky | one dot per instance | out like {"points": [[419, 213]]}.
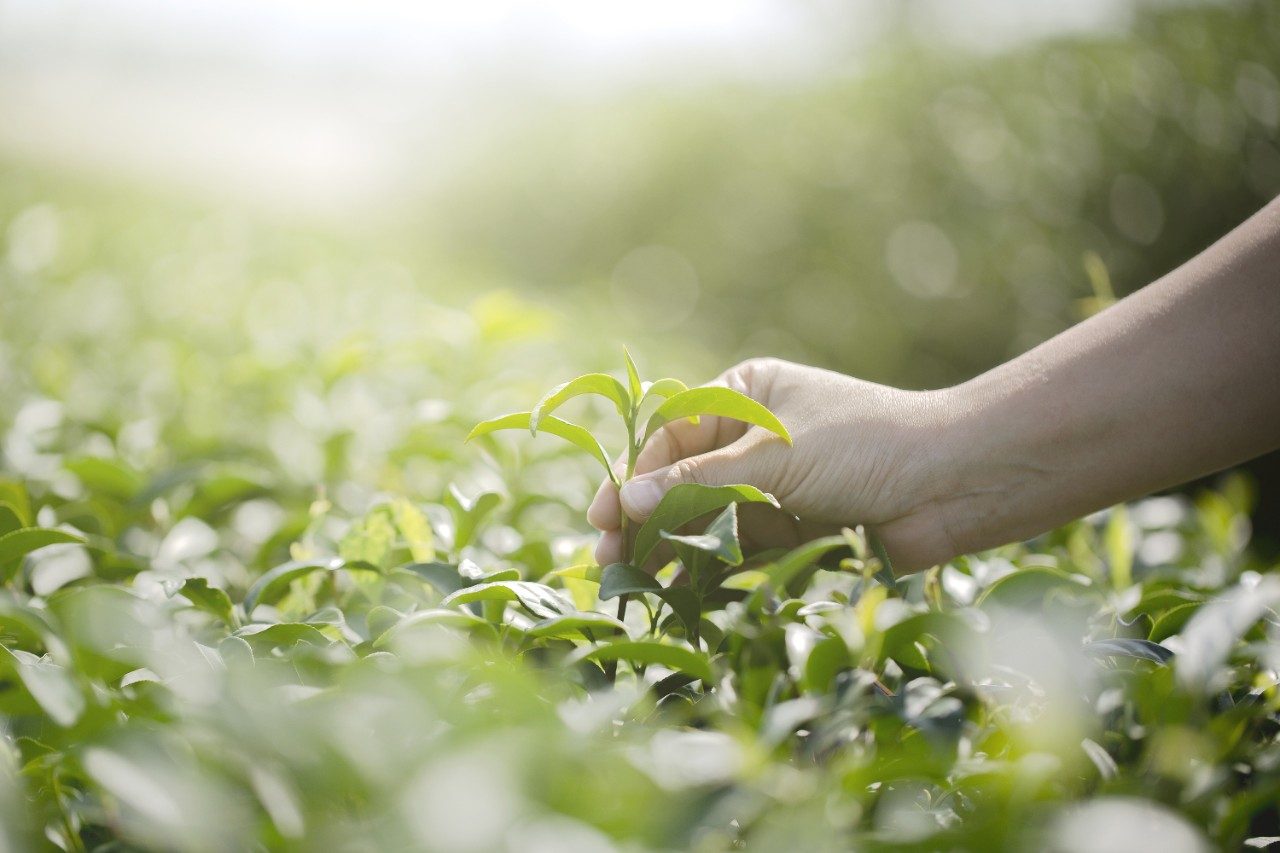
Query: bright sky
{"points": [[321, 103]]}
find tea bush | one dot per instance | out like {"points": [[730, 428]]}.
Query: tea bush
{"points": [[259, 594]]}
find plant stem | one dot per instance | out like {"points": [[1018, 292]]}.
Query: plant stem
{"points": [[624, 523]]}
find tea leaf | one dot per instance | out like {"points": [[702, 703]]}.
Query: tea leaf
{"points": [[666, 388], [50, 685], [685, 502], [601, 384], [633, 377], [468, 514], [572, 433], [273, 584], [720, 539], [207, 598], [676, 658], [573, 625], [108, 476], [621, 579], [1210, 635], [286, 634], [1129, 647], [443, 577], [715, 400], [539, 599], [19, 543]]}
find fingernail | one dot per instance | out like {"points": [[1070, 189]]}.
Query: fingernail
{"points": [[640, 497]]}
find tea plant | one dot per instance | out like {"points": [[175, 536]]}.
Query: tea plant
{"points": [[664, 401], [256, 593]]}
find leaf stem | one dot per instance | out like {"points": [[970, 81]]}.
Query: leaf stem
{"points": [[624, 523]]}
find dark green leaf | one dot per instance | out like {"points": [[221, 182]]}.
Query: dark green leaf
{"points": [[720, 539], [621, 579], [684, 503]]}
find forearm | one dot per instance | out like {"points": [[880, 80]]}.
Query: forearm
{"points": [[1177, 381]]}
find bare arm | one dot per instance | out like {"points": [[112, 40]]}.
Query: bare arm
{"points": [[1176, 381]]}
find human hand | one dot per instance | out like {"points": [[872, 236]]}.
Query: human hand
{"points": [[862, 454]]}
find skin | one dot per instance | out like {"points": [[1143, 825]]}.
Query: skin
{"points": [[1178, 380]]}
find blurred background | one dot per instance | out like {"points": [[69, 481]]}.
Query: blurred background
{"points": [[290, 231]]}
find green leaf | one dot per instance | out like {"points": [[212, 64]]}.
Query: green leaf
{"points": [[574, 624], [273, 584], [414, 529], [621, 579], [469, 513], [539, 599], [686, 502], [885, 575], [14, 495], [1118, 540], [720, 539], [1129, 647], [10, 520], [261, 636], [1027, 587], [666, 388], [601, 384], [449, 618], [23, 627], [792, 569], [826, 658], [370, 539], [684, 604], [715, 400], [50, 685], [1213, 631], [898, 641], [443, 576], [676, 658], [207, 598], [106, 476], [1171, 621], [19, 543], [571, 433], [633, 377]]}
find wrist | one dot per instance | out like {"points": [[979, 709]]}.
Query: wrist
{"points": [[995, 477]]}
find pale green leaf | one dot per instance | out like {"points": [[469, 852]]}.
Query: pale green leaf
{"points": [[539, 599], [633, 377], [676, 658], [716, 400], [601, 384], [571, 433]]}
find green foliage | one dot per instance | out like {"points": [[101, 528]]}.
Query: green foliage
{"points": [[257, 592]]}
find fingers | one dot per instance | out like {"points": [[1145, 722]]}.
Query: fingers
{"points": [[605, 512], [662, 463], [640, 496], [675, 441]]}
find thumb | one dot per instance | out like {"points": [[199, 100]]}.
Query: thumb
{"points": [[640, 495]]}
